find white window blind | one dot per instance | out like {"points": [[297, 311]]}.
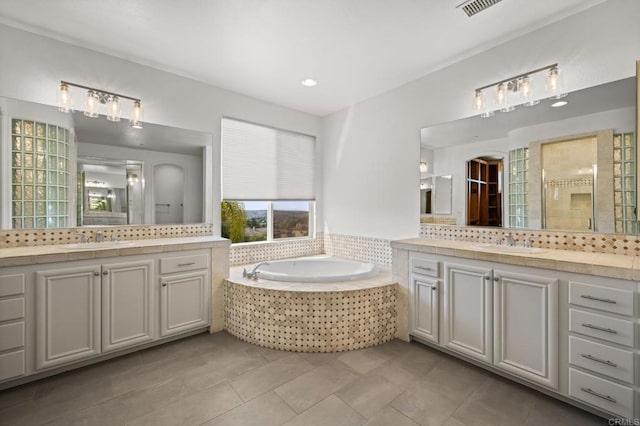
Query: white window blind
{"points": [[263, 163]]}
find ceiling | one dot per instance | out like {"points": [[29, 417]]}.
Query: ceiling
{"points": [[356, 49], [605, 97]]}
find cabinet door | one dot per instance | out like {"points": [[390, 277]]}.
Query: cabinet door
{"points": [[184, 302], [468, 311], [423, 309], [67, 315], [127, 308], [526, 327]]}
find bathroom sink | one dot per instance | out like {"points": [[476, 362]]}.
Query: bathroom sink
{"points": [[508, 249], [95, 246]]}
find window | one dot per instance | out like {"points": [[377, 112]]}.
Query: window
{"points": [[268, 180]]}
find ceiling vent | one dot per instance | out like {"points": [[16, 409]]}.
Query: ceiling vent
{"points": [[472, 7]]}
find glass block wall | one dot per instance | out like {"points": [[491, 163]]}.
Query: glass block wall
{"points": [[518, 203], [624, 182], [40, 175]]}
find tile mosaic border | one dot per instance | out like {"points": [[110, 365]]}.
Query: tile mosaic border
{"points": [[43, 237], [558, 240], [364, 249], [244, 254]]}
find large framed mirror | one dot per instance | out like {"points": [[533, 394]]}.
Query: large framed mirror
{"points": [[537, 141], [66, 170]]}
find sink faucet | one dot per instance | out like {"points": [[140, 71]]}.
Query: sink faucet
{"points": [[509, 240], [84, 238], [528, 242], [254, 272], [114, 238], [99, 237]]}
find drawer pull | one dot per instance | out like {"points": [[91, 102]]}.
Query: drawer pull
{"points": [[597, 299], [424, 268], [595, 327], [601, 361], [186, 264], [599, 395]]}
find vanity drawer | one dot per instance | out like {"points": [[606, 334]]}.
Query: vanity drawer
{"points": [[11, 285], [11, 309], [11, 336], [420, 265], [11, 365], [601, 327], [170, 265], [601, 393], [603, 359], [602, 298]]}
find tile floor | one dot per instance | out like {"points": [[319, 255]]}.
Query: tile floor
{"points": [[220, 380]]}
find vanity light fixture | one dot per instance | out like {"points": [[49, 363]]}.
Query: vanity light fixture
{"points": [[518, 90], [96, 97]]}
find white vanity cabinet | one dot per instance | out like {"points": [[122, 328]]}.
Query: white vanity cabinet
{"points": [[86, 310], [184, 293], [12, 324], [506, 317]]}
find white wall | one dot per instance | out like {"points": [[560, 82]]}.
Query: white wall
{"points": [[371, 150], [33, 67]]}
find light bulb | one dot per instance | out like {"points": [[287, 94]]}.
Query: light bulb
{"points": [[478, 100], [137, 115], [113, 108], [91, 104], [65, 103], [501, 95]]}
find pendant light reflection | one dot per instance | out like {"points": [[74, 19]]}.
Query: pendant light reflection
{"points": [[137, 115], [91, 104]]}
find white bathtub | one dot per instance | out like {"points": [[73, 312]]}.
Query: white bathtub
{"points": [[325, 269]]}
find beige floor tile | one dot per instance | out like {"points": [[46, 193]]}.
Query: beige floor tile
{"points": [[222, 365], [370, 393], [364, 360], [314, 386], [17, 395], [330, 411], [266, 410], [319, 358], [263, 379], [389, 416], [497, 402], [425, 405], [193, 409], [551, 412]]}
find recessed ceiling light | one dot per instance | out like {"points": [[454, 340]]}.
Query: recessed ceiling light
{"points": [[309, 82], [559, 104]]}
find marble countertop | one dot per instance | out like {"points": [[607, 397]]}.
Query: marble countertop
{"points": [[17, 256], [600, 264]]}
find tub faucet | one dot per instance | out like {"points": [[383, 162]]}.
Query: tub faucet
{"points": [[509, 240], [254, 272], [99, 237]]}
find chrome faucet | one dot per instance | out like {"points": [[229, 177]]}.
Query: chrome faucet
{"points": [[99, 237], [509, 240], [528, 242], [84, 238], [254, 272], [114, 238]]}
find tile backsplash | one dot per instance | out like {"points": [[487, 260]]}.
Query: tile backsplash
{"points": [[43, 237], [558, 240]]}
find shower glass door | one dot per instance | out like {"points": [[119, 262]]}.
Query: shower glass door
{"points": [[569, 173]]}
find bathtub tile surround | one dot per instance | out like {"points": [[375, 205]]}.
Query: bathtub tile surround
{"points": [[309, 321], [245, 254], [364, 249], [45, 237], [557, 240]]}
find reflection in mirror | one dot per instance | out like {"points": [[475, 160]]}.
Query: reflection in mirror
{"points": [[518, 137], [60, 170], [443, 194], [484, 191], [426, 196]]}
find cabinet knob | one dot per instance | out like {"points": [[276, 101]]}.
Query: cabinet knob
{"points": [[164, 283], [496, 279], [434, 288], [487, 277], [105, 272], [96, 273]]}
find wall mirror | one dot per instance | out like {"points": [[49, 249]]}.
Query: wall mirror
{"points": [[601, 192], [67, 170]]}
